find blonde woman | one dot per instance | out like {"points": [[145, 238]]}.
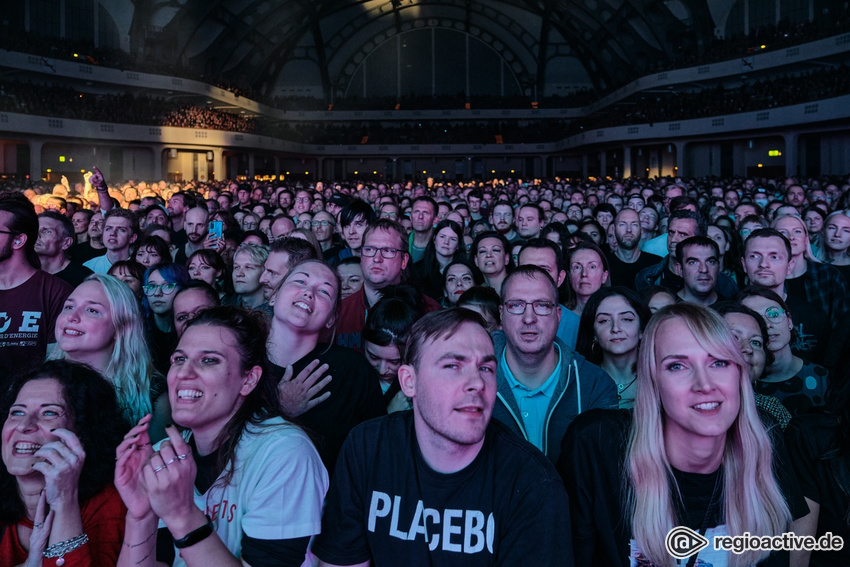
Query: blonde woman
{"points": [[101, 325], [693, 453]]}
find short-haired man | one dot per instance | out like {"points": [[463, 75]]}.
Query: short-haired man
{"points": [[120, 228], [281, 226], [444, 484], [491, 253], [529, 221], [698, 262], [628, 260], [767, 262], [475, 199], [547, 255], [422, 215], [196, 227], [283, 254], [796, 197], [55, 238], [543, 383], [502, 220], [30, 298], [248, 263], [383, 259], [683, 224]]}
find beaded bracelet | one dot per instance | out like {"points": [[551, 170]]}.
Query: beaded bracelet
{"points": [[58, 550]]}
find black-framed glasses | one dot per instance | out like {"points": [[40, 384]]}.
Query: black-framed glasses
{"points": [[518, 306], [388, 253], [8, 232], [167, 288]]}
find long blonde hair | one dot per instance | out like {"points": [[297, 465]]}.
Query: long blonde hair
{"points": [[753, 501], [808, 252], [130, 369]]}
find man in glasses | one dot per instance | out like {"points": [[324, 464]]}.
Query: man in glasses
{"points": [[543, 384], [383, 258]]}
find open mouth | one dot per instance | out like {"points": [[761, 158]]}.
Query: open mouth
{"points": [[24, 448], [707, 406], [188, 394], [303, 306]]}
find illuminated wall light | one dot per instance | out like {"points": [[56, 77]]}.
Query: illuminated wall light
{"points": [[774, 153], [512, 171], [424, 171], [492, 171], [49, 170], [62, 159], [761, 165], [356, 172], [306, 173], [374, 173], [71, 160], [82, 171]]}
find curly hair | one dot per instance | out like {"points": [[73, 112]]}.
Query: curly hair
{"points": [[97, 422]]}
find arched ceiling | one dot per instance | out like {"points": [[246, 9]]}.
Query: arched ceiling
{"points": [[252, 41]]}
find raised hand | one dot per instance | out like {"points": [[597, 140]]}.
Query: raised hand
{"points": [[42, 524], [170, 479], [61, 467], [132, 455], [97, 179]]}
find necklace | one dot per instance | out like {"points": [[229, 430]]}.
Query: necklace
{"points": [[623, 387]]}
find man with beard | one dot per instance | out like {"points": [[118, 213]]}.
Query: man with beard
{"points": [[444, 484], [502, 219], [196, 231], [82, 252], [698, 262], [30, 298], [627, 260]]}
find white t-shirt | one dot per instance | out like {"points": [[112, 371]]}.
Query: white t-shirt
{"points": [[276, 492]]}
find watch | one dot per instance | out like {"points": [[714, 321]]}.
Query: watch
{"points": [[195, 536]]}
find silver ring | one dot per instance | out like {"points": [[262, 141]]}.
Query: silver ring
{"points": [[159, 468], [182, 457], [168, 462], [38, 525]]}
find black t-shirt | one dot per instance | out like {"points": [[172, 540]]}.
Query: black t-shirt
{"points": [[592, 465], [386, 505], [624, 274], [355, 397], [810, 437], [74, 273], [812, 329], [82, 252]]}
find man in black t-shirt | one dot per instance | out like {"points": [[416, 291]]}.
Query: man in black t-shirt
{"points": [[443, 485]]}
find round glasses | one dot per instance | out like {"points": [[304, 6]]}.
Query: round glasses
{"points": [[167, 288], [774, 314]]}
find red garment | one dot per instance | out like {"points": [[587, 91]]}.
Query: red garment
{"points": [[103, 521], [352, 319]]}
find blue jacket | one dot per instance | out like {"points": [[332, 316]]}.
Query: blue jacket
{"points": [[581, 386]]}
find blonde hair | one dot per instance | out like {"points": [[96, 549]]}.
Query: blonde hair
{"points": [[130, 369], [808, 252], [753, 501]]}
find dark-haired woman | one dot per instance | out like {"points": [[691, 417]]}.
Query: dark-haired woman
{"points": [[445, 247], [61, 426], [610, 330], [241, 485]]}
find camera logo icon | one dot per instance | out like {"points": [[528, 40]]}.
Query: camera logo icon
{"points": [[683, 542]]}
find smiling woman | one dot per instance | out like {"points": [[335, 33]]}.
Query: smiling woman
{"points": [[61, 426], [238, 460], [683, 451]]}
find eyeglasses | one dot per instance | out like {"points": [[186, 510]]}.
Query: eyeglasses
{"points": [[167, 288], [388, 253], [303, 199], [775, 314], [8, 232], [317, 224], [518, 306]]}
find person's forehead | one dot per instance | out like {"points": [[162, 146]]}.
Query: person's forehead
{"points": [[117, 221], [489, 243], [191, 298], [699, 251], [381, 236], [537, 256], [628, 215], [683, 224], [528, 286], [763, 244], [444, 343]]}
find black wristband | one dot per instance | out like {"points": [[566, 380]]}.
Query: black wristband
{"points": [[195, 536]]}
